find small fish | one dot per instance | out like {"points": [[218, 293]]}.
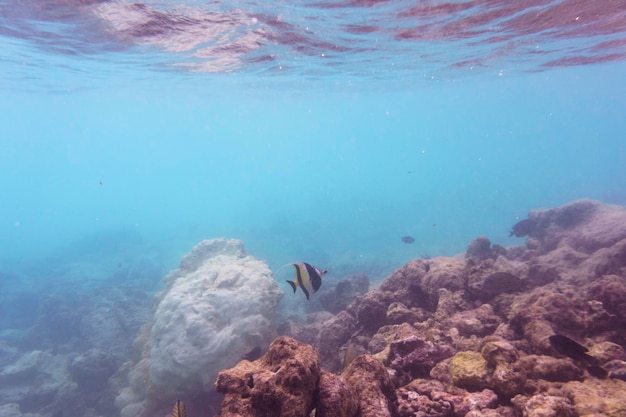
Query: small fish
{"points": [[597, 371], [407, 239], [308, 278], [522, 228], [568, 347], [349, 354], [254, 354], [179, 410]]}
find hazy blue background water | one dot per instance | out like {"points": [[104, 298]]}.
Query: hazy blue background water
{"points": [[325, 172], [109, 156]]}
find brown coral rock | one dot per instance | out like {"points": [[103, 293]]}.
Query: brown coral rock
{"points": [[584, 225], [543, 405], [479, 250], [336, 398], [469, 370], [499, 352], [283, 383], [480, 322], [448, 273], [369, 378], [387, 334], [423, 398], [371, 309], [550, 369], [611, 291], [334, 333], [416, 357], [594, 397]]}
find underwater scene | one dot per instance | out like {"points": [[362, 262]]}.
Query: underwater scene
{"points": [[346, 208]]}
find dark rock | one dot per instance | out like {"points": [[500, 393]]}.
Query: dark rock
{"points": [[339, 296], [372, 309], [332, 336], [415, 357], [479, 250], [398, 313], [541, 272], [405, 285], [500, 282], [490, 278]]}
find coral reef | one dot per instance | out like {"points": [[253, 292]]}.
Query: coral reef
{"points": [[470, 336], [218, 306], [462, 336], [62, 359]]}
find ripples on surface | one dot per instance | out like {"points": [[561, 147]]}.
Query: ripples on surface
{"points": [[368, 38]]}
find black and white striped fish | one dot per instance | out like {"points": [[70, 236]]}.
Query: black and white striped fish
{"points": [[308, 278]]}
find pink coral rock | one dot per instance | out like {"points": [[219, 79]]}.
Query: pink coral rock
{"points": [[369, 378], [281, 383]]}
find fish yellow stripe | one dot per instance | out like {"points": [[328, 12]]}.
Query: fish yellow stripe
{"points": [[302, 278], [179, 410]]}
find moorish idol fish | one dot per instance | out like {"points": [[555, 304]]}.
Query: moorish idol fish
{"points": [[308, 278], [179, 410]]}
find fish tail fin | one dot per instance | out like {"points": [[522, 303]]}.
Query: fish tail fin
{"points": [[179, 410], [293, 285]]}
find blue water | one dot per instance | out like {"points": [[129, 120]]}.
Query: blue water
{"points": [[326, 171]]}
